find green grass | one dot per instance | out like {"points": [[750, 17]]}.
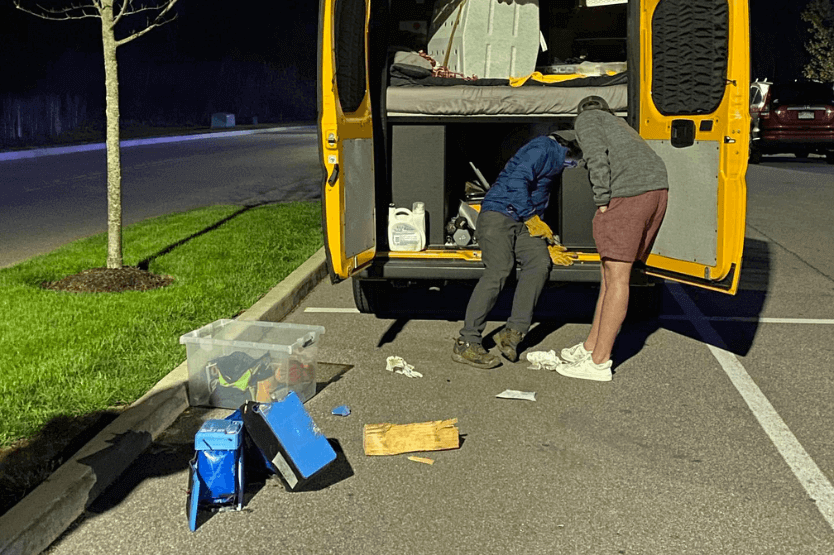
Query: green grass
{"points": [[67, 354]]}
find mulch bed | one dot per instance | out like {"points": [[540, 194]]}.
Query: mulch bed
{"points": [[109, 280]]}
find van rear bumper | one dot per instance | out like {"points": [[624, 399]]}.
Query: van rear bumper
{"points": [[385, 269]]}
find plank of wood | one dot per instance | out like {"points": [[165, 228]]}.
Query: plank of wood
{"points": [[423, 460], [393, 439]]}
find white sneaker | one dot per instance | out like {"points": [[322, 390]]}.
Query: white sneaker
{"points": [[586, 369], [575, 353]]}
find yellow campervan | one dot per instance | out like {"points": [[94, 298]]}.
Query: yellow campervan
{"points": [[421, 104]]}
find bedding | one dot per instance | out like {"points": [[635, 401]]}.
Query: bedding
{"points": [[414, 90]]}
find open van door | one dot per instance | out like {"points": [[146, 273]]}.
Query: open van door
{"points": [[346, 137], [691, 100]]}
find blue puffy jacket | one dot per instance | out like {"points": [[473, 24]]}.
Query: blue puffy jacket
{"points": [[522, 189]]}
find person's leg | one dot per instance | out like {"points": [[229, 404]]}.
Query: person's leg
{"points": [[613, 309], [593, 334], [534, 259], [496, 239]]}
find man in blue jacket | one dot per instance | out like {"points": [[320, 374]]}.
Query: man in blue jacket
{"points": [[510, 228]]}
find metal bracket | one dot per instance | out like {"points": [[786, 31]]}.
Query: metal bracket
{"points": [[334, 175]]}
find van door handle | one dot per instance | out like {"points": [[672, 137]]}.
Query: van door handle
{"points": [[683, 133], [333, 176]]}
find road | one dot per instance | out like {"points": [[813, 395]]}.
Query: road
{"points": [[48, 201], [714, 437]]}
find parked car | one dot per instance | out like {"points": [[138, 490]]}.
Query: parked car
{"points": [[758, 94], [796, 118]]}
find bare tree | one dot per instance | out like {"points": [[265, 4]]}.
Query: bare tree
{"points": [[111, 13], [819, 14]]}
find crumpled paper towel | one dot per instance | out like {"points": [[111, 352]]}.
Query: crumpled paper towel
{"points": [[543, 360], [400, 366]]}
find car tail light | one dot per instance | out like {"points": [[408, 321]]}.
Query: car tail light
{"points": [[765, 109]]}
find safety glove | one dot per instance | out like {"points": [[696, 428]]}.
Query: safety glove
{"points": [[559, 256], [538, 228]]}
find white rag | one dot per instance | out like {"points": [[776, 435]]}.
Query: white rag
{"points": [[543, 360], [400, 366]]}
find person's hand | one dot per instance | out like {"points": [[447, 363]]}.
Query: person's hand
{"points": [[559, 256], [538, 228], [602, 209]]}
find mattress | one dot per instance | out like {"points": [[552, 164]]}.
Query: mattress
{"points": [[465, 100]]}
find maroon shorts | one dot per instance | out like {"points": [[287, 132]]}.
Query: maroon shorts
{"points": [[627, 229]]}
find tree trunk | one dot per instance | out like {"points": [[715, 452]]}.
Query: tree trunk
{"points": [[114, 164]]}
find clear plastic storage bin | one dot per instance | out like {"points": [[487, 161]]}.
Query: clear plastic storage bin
{"points": [[232, 361]]}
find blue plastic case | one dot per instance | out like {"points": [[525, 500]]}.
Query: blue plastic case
{"points": [[289, 440]]}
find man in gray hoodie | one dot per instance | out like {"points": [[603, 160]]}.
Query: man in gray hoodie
{"points": [[630, 188]]}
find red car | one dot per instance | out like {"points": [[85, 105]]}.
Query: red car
{"points": [[796, 118]]}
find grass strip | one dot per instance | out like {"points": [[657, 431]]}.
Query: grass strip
{"points": [[69, 354]]}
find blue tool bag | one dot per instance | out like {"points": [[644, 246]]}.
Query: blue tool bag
{"points": [[216, 479]]}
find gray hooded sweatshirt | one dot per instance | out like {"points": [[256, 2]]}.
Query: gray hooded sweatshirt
{"points": [[620, 162]]}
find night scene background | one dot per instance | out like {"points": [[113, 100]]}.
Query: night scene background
{"points": [[256, 60], [251, 59]]}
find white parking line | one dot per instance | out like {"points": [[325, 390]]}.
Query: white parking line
{"points": [[332, 310], [816, 484], [822, 321]]}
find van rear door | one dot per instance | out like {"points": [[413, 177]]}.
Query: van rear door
{"points": [[346, 137], [692, 108]]}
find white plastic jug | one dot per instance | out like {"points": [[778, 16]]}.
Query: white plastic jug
{"points": [[407, 228]]}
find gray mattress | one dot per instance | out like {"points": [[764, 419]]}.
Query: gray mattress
{"points": [[463, 100]]}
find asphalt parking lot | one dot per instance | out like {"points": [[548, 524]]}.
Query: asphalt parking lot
{"points": [[713, 437]]}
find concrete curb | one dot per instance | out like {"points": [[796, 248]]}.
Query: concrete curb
{"points": [[42, 516], [52, 151]]}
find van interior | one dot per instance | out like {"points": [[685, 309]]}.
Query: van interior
{"points": [[450, 111]]}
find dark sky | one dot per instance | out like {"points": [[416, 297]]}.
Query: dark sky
{"points": [[281, 33], [777, 37]]}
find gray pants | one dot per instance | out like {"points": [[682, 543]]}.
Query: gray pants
{"points": [[503, 241]]}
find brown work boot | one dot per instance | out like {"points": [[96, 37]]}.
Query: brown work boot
{"points": [[507, 342], [473, 355]]}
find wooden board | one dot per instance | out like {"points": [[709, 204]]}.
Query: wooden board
{"points": [[393, 439]]}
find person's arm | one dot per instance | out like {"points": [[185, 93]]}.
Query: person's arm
{"points": [[521, 179], [590, 135]]}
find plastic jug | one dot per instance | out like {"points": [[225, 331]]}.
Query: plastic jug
{"points": [[407, 228]]}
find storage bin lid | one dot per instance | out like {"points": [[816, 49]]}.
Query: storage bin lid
{"points": [[243, 334]]}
